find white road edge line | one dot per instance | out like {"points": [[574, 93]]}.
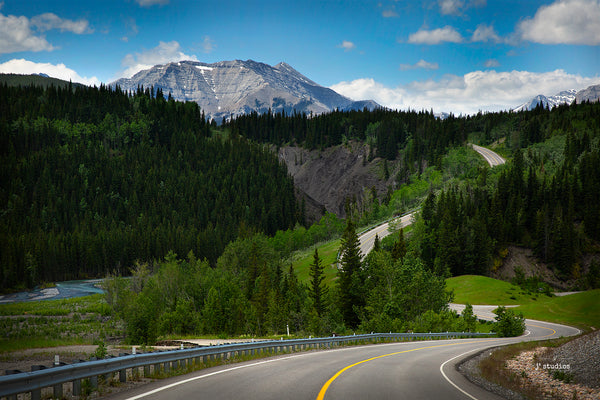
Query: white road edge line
{"points": [[160, 389], [448, 379]]}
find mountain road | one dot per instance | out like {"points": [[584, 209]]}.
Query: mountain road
{"points": [[412, 370]]}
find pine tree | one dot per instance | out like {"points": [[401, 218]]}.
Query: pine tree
{"points": [[399, 249], [350, 282], [376, 243], [318, 291]]}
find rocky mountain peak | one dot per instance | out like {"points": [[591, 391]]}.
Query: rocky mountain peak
{"points": [[239, 87]]}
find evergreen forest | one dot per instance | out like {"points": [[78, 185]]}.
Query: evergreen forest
{"points": [[203, 219], [93, 179]]}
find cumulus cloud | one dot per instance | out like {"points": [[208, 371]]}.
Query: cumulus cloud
{"points": [[165, 52], [485, 33], [564, 22], [347, 45], [24, 34], [457, 7], [467, 94], [435, 36], [389, 13], [208, 44], [16, 35], [492, 63], [60, 71], [451, 7], [150, 3], [421, 64], [48, 21]]}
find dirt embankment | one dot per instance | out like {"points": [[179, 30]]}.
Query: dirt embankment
{"points": [[325, 178]]}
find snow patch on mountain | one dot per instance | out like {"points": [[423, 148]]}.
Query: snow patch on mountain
{"points": [[564, 97], [240, 87]]}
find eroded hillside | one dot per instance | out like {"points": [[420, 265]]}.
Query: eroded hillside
{"points": [[326, 178]]}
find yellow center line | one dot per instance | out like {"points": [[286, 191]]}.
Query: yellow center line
{"points": [[543, 327], [321, 395]]}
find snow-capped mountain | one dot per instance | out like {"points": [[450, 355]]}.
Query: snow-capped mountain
{"points": [[240, 87], [592, 93], [564, 97]]}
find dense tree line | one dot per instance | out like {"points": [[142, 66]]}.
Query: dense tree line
{"points": [[92, 179], [419, 135], [251, 292], [545, 200]]}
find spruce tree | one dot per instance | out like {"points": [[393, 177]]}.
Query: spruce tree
{"points": [[399, 249], [318, 291], [350, 282]]}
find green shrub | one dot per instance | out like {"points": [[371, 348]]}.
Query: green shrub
{"points": [[508, 323]]}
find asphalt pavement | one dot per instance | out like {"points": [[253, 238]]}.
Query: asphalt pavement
{"points": [[410, 370]]}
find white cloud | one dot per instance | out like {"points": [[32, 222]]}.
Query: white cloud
{"points": [[164, 53], [16, 35], [436, 36], [347, 45], [564, 22], [457, 7], [492, 63], [48, 21], [150, 3], [485, 33], [467, 94], [389, 13], [24, 34], [208, 44], [450, 7], [60, 71], [421, 64]]}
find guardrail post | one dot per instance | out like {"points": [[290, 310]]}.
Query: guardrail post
{"points": [[146, 370], [167, 367], [57, 391], [16, 371], [123, 375], [94, 382]]}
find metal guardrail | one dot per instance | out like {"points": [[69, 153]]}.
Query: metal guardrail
{"points": [[33, 382]]}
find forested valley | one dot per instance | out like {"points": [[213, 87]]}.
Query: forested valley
{"points": [[94, 179], [203, 218]]}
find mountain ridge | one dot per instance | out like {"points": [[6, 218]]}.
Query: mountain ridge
{"points": [[239, 87], [591, 93]]}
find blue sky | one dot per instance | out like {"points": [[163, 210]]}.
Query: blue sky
{"points": [[450, 55]]}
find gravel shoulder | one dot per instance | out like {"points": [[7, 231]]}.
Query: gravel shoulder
{"points": [[577, 363]]}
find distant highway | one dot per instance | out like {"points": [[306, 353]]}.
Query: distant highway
{"points": [[411, 370], [367, 239], [407, 370], [492, 158]]}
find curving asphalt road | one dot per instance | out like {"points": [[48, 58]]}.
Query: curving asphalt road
{"points": [[367, 239], [492, 158], [411, 370]]}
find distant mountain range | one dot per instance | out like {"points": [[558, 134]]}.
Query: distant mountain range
{"points": [[240, 87], [592, 93]]}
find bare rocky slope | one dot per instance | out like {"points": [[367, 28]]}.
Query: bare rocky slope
{"points": [[326, 178], [240, 87]]}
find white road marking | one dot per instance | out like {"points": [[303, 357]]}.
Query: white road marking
{"points": [[448, 379]]}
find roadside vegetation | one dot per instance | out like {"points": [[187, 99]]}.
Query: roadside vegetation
{"points": [[204, 223], [49, 323], [580, 310], [482, 290]]}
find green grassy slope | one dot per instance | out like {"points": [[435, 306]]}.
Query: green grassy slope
{"points": [[580, 309], [327, 253], [475, 289]]}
